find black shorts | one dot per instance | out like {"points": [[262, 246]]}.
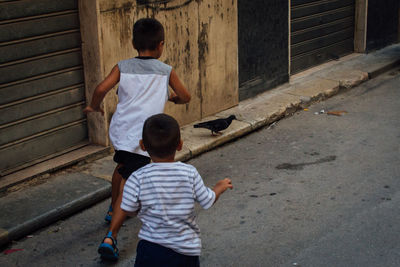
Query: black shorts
{"points": [[151, 254], [130, 162]]}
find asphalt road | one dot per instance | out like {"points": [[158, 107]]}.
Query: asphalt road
{"points": [[313, 190]]}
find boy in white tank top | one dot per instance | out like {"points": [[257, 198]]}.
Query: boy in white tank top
{"points": [[142, 92]]}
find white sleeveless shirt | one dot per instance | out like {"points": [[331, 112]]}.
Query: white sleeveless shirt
{"points": [[142, 92]]}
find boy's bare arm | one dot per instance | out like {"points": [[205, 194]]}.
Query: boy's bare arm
{"points": [[102, 89], [180, 94], [221, 187]]}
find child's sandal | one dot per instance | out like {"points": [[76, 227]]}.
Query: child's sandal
{"points": [[107, 251], [109, 216]]}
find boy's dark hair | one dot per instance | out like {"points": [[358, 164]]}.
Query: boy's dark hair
{"points": [[147, 34], [161, 135]]}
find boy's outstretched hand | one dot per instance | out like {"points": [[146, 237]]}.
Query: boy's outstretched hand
{"points": [[89, 109], [221, 187]]}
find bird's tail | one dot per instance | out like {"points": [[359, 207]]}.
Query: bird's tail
{"points": [[199, 125]]}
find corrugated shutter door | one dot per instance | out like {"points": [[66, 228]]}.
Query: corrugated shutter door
{"points": [[321, 30], [41, 82]]}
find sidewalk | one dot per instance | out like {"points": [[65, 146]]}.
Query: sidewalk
{"points": [[50, 199]]}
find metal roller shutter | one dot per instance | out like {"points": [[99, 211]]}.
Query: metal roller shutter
{"points": [[321, 30], [41, 82]]}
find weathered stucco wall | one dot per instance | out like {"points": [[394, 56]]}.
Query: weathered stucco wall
{"points": [[93, 62], [200, 44]]}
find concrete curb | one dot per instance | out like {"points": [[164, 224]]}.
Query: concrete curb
{"points": [[300, 100], [63, 161], [21, 230], [384, 69]]}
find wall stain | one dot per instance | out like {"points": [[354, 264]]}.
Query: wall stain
{"points": [[203, 41], [203, 53], [163, 5], [187, 48], [113, 7], [300, 166]]}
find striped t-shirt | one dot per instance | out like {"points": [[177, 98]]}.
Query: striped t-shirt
{"points": [[165, 194]]}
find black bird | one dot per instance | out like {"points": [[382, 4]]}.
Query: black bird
{"points": [[216, 125]]}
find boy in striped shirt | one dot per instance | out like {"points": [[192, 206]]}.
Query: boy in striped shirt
{"points": [[164, 192]]}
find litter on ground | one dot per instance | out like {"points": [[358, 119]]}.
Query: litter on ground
{"points": [[337, 112], [9, 251]]}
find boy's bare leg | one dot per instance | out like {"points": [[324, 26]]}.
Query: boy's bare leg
{"points": [[118, 214], [116, 182]]}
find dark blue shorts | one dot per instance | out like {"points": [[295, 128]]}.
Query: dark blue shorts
{"points": [[130, 162], [153, 255]]}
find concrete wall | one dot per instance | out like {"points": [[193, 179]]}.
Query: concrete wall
{"points": [[200, 44], [93, 65], [360, 26]]}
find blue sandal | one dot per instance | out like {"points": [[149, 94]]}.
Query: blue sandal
{"points": [[107, 251], [108, 216]]}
